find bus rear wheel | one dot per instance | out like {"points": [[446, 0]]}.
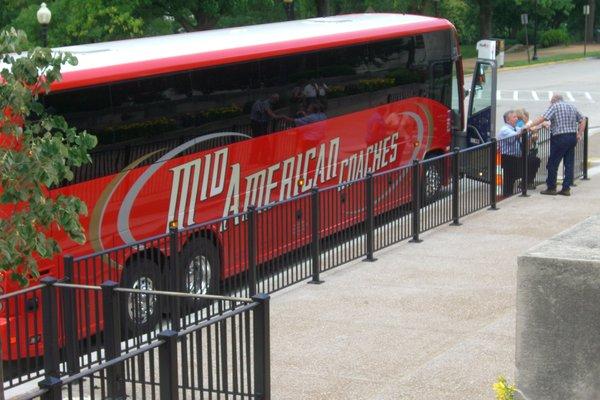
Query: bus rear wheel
{"points": [[140, 312], [201, 269]]}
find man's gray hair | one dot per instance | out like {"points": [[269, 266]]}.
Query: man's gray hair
{"points": [[556, 98], [507, 114]]}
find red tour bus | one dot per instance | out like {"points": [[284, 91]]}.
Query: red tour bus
{"points": [[197, 126]]}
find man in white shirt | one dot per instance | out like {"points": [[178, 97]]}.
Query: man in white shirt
{"points": [[509, 142]]}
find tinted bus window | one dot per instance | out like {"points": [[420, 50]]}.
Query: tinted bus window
{"points": [[284, 78], [344, 76], [83, 108], [223, 97], [399, 69], [441, 82]]}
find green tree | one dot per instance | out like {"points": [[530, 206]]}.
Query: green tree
{"points": [[76, 22], [38, 151], [193, 15]]}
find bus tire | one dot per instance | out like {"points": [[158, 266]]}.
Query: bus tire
{"points": [[431, 182], [140, 313], [201, 269]]}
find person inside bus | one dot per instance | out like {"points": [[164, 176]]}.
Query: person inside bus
{"points": [[315, 92], [262, 114], [509, 140], [314, 113], [296, 106]]}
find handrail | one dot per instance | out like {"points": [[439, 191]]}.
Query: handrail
{"points": [[186, 295], [77, 286], [20, 291], [216, 319]]}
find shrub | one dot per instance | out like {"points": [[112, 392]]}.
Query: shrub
{"points": [[555, 37]]}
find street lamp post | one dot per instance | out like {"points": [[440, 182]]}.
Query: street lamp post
{"points": [[289, 9], [43, 16], [535, 26]]}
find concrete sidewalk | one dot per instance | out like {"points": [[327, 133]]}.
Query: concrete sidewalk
{"points": [[434, 320]]}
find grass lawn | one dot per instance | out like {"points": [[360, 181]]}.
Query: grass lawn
{"points": [[547, 59], [469, 54]]}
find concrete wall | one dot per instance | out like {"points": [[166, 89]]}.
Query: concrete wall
{"points": [[558, 316]]}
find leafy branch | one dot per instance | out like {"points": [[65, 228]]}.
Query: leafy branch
{"points": [[38, 151]]}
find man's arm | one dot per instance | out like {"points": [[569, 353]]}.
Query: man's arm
{"points": [[546, 116], [271, 113], [537, 121]]}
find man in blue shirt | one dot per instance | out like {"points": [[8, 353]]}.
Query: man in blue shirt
{"points": [[509, 142], [567, 124]]}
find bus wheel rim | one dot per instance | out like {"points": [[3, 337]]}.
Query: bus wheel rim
{"points": [[433, 181], [141, 305], [199, 272]]}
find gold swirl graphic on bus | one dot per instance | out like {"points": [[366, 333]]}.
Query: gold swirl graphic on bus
{"points": [[100, 207], [429, 117]]}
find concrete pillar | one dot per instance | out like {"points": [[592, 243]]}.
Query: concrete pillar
{"points": [[558, 316]]}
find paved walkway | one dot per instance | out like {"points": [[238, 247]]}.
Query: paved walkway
{"points": [[434, 320]]}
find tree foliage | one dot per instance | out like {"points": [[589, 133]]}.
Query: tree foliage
{"points": [[37, 151], [76, 22]]}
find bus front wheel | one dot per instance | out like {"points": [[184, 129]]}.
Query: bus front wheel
{"points": [[140, 312], [431, 182]]}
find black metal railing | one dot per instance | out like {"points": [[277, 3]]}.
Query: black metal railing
{"points": [[227, 354], [261, 250]]}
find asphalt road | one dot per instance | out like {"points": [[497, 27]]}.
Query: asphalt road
{"points": [[531, 88]]}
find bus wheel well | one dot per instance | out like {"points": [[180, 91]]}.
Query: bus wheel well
{"points": [[153, 254], [434, 153], [205, 234]]}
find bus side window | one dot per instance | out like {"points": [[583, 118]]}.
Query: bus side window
{"points": [[345, 73], [400, 69]]}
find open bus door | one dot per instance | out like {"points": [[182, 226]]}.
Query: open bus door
{"points": [[481, 115], [481, 118]]}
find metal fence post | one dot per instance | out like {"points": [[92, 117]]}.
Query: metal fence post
{"points": [[176, 279], [315, 246], [251, 240], [50, 328], [112, 339], [585, 149], [416, 201], [168, 368], [524, 157], [493, 177], [262, 348], [369, 217], [455, 187], [70, 319]]}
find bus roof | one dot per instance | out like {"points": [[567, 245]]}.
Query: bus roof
{"points": [[128, 59]]}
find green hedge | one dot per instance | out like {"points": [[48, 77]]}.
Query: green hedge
{"points": [[555, 37]]}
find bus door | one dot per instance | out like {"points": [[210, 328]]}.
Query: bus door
{"points": [[481, 119]]}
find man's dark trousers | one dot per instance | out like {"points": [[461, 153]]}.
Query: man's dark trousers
{"points": [[562, 147], [512, 168]]}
